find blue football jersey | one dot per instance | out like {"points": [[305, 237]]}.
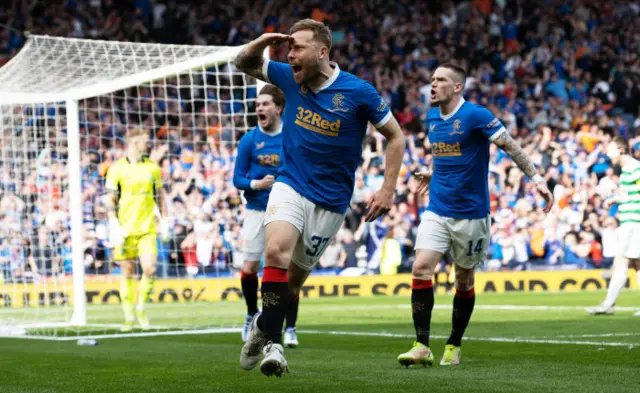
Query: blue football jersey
{"points": [[324, 132], [460, 147], [259, 155]]}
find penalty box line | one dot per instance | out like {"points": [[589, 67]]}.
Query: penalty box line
{"points": [[516, 340]]}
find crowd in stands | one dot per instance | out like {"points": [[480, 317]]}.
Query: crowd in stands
{"points": [[563, 77]]}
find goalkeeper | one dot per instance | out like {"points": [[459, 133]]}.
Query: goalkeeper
{"points": [[135, 191]]}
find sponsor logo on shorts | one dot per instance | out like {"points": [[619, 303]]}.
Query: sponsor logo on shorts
{"points": [[271, 210]]}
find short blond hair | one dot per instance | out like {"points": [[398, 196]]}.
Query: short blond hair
{"points": [[321, 32], [136, 132]]}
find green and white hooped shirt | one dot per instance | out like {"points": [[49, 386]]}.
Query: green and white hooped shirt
{"points": [[629, 206]]}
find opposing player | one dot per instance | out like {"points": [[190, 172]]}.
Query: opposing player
{"points": [[457, 218], [628, 234], [325, 120], [135, 193], [257, 165]]}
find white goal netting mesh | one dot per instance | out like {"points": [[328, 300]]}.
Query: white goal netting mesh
{"points": [[195, 107]]}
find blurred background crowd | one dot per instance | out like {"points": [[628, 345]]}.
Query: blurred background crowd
{"points": [[563, 76]]}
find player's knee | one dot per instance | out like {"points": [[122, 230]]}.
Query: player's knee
{"points": [[424, 265], [127, 269], [250, 267], [149, 270], [275, 254]]}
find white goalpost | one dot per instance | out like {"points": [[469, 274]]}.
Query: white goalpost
{"points": [[65, 107]]}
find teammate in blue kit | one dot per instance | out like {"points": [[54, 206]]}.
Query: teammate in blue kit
{"points": [[257, 165], [457, 218], [325, 121]]}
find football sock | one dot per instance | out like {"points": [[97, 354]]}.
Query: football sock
{"points": [[638, 277], [421, 307], [275, 302], [292, 311], [126, 297], [146, 287], [618, 279], [249, 284], [463, 303]]}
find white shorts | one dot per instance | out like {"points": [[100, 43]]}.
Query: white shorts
{"points": [[253, 235], [466, 240], [628, 235], [317, 226]]}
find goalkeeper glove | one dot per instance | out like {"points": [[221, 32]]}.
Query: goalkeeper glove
{"points": [[164, 229], [116, 233]]}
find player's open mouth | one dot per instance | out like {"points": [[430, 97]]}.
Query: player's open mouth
{"points": [[296, 68], [262, 117]]}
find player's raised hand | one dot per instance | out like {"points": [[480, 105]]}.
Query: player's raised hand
{"points": [[424, 177], [380, 204], [546, 194], [266, 182], [274, 39]]}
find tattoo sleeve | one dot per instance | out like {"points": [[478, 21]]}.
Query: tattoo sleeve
{"points": [[250, 63], [519, 156]]}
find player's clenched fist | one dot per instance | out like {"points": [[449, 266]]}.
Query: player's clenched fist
{"points": [[546, 194], [424, 179], [265, 182], [380, 204]]}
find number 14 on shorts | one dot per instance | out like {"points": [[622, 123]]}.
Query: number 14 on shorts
{"points": [[472, 250], [318, 244]]}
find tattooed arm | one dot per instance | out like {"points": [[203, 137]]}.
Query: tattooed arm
{"points": [[250, 59], [513, 149]]}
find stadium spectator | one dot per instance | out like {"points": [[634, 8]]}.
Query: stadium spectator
{"points": [[564, 78]]}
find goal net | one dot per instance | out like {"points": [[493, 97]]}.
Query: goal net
{"points": [[65, 108]]}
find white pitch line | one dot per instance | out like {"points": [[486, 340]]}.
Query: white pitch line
{"points": [[506, 307], [599, 335], [130, 335], [523, 340]]}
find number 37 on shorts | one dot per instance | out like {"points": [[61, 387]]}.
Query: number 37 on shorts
{"points": [[467, 240]]}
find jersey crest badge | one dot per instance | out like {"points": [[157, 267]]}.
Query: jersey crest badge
{"points": [[432, 127], [456, 128], [259, 145], [338, 104], [304, 89]]}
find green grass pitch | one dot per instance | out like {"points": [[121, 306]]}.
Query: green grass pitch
{"points": [[516, 342]]}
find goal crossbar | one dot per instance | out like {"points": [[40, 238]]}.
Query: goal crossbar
{"points": [[13, 92]]}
